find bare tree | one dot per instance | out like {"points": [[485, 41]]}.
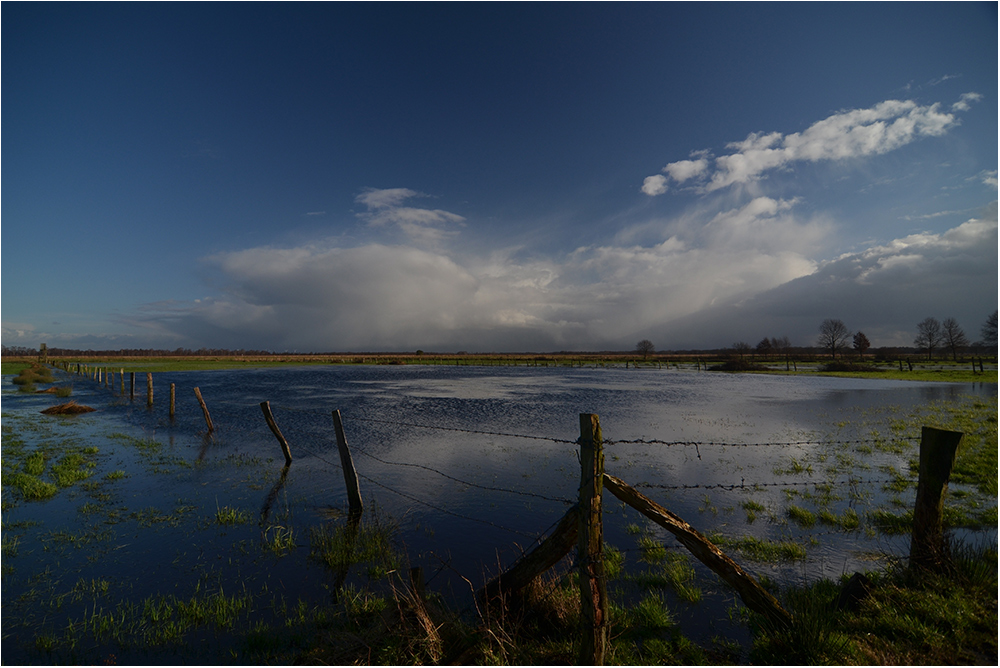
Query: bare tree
{"points": [[645, 348], [780, 344], [953, 336], [989, 331], [833, 335], [929, 336], [861, 344], [764, 348], [742, 348]]}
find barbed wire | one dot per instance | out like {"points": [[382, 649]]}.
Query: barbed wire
{"points": [[745, 485], [464, 482], [468, 431], [654, 441], [630, 441], [421, 501]]}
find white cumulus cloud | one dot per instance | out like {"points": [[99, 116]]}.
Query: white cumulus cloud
{"points": [[854, 133]]}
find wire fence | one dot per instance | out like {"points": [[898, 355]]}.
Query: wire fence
{"points": [[535, 539]]}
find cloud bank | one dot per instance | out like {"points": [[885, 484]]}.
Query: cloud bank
{"points": [[742, 273]]}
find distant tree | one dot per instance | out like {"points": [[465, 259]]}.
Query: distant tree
{"points": [[645, 348], [953, 337], [989, 331], [861, 344], [764, 348], [742, 348], [833, 335], [780, 344], [929, 336]]}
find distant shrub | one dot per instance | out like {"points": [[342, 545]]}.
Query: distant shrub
{"points": [[737, 365], [848, 366]]}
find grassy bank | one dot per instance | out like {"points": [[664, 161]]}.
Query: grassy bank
{"points": [[936, 371]]}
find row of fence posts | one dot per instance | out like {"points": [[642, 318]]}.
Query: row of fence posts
{"points": [[582, 526], [103, 376]]}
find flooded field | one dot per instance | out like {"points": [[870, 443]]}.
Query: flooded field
{"points": [[162, 543]]}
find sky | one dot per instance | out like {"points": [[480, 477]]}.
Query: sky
{"points": [[333, 177]]}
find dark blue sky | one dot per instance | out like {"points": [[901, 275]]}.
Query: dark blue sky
{"points": [[492, 176]]}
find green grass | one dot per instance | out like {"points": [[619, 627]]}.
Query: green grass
{"points": [[801, 516], [848, 520], [227, 516], [763, 550], [944, 618], [752, 508], [31, 488], [370, 543]]}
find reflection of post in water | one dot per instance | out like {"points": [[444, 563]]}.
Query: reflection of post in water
{"points": [[350, 538], [265, 510], [206, 441]]}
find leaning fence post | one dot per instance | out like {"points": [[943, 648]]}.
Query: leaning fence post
{"points": [[593, 586], [204, 409], [265, 407], [346, 463], [173, 399], [937, 457]]}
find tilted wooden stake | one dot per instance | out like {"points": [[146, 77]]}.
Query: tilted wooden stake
{"points": [[548, 553], [204, 409], [753, 595], [350, 474], [265, 407]]}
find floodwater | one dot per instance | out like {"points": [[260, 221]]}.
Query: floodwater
{"points": [[471, 464]]}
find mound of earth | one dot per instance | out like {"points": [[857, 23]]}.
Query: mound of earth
{"points": [[70, 408]]}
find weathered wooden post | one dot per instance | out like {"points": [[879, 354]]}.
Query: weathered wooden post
{"points": [[204, 409], [122, 375], [346, 463], [265, 407], [937, 457], [149, 389], [593, 585], [131, 385], [173, 399], [755, 596]]}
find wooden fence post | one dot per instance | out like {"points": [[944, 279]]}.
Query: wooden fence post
{"points": [[347, 463], [265, 407], [131, 385], [149, 389], [593, 585], [937, 457], [173, 399], [204, 409], [122, 375]]}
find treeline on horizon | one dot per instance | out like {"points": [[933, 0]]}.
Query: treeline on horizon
{"points": [[883, 353]]}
